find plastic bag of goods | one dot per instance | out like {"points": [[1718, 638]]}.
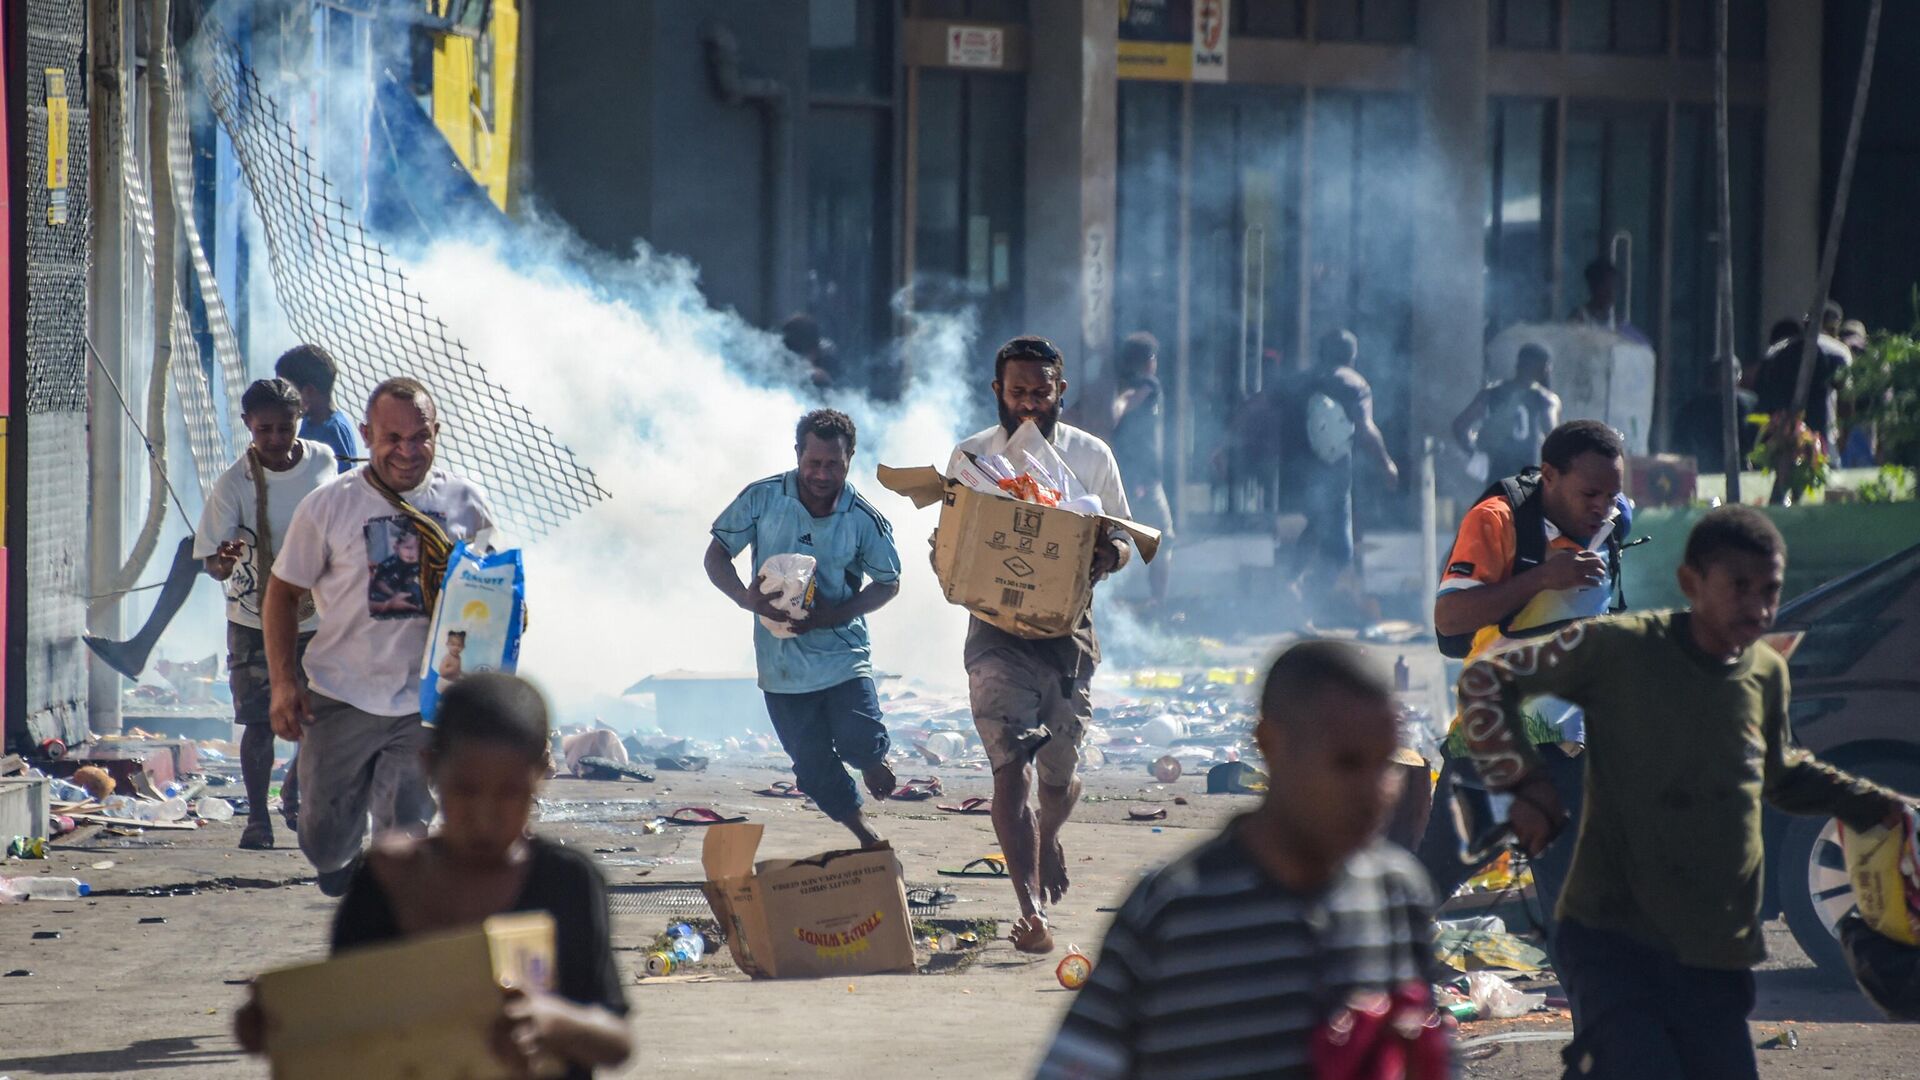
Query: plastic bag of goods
{"points": [[789, 580], [476, 623], [1884, 866]]}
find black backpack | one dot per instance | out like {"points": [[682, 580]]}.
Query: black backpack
{"points": [[1522, 493]]}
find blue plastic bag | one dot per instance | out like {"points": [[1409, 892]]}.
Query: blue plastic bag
{"points": [[477, 622]]}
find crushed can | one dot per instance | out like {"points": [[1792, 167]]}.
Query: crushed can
{"points": [[1075, 969]]}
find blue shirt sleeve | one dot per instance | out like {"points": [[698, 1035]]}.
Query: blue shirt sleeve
{"points": [[336, 433], [876, 556], [735, 526]]}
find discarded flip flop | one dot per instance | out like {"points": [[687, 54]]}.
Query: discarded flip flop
{"points": [[700, 815], [1147, 813], [599, 768], [781, 789], [922, 896], [916, 790], [974, 805], [994, 866]]}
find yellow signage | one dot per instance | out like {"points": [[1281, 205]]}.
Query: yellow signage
{"points": [[475, 91], [57, 125], [1167, 61]]}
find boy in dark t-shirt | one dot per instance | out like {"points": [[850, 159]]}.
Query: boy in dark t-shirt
{"points": [[1687, 732], [1232, 960]]}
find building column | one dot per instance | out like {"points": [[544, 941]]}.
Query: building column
{"points": [[1790, 172], [1449, 242], [1072, 132], [106, 451]]}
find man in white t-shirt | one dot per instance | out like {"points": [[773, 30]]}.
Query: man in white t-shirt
{"points": [[277, 471], [1030, 697], [363, 560]]}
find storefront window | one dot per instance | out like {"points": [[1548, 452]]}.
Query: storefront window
{"points": [[1519, 232], [970, 201], [1617, 26], [1614, 185], [1525, 24], [1387, 22]]}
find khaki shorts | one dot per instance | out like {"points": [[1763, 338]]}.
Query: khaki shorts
{"points": [[1025, 710]]}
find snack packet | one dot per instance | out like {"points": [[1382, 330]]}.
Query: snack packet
{"points": [[476, 623]]}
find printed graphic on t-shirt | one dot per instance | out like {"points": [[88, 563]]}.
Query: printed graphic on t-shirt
{"points": [[393, 557], [243, 585]]}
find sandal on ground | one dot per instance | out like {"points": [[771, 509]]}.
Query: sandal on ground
{"points": [[701, 815], [969, 806], [781, 789], [916, 790], [1147, 813], [994, 866]]}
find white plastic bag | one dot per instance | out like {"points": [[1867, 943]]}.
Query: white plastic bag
{"points": [[1043, 462], [1496, 999], [789, 580]]}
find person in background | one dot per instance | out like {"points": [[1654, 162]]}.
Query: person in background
{"points": [[1857, 438], [1326, 420], [1687, 737], [1780, 373], [277, 471], [1234, 959], [801, 336], [818, 682], [1139, 448], [1699, 429], [312, 371], [1603, 287], [488, 757], [358, 717], [1507, 420], [1031, 697]]}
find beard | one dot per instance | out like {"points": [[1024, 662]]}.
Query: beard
{"points": [[1045, 421]]}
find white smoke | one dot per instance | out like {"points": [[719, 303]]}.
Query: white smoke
{"points": [[676, 407]]}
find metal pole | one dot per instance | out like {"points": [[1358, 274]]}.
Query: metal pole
{"points": [[1429, 536], [1829, 254], [106, 449], [1723, 291]]}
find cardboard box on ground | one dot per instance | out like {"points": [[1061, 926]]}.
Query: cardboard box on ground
{"points": [[837, 913], [1020, 566], [419, 1009]]}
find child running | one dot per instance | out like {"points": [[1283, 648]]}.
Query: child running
{"points": [[1231, 961], [1659, 923], [486, 760]]}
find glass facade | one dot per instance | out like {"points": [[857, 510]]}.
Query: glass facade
{"points": [[970, 198]]}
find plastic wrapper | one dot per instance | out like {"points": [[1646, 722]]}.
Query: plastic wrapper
{"points": [[789, 580], [1884, 866], [476, 623]]}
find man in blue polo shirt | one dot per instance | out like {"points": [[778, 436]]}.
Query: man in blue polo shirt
{"points": [[818, 682]]}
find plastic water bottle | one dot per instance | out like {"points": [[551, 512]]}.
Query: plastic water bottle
{"points": [[686, 944], [49, 888], [173, 808], [62, 791], [120, 806], [214, 809]]}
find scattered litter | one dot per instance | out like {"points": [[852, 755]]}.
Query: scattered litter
{"points": [[27, 847], [17, 973], [1166, 769], [1075, 969], [1785, 1040], [152, 920], [46, 935], [1465, 950], [1147, 813], [1495, 998]]}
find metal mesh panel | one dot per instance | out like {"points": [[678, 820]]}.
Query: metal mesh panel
{"points": [[56, 252], [56, 401], [341, 289]]}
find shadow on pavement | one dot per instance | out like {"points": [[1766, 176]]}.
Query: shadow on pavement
{"points": [[1809, 994], [145, 1054]]}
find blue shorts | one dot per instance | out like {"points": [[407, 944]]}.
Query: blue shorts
{"points": [[824, 730]]}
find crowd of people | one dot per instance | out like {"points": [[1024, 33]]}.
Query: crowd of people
{"points": [[1636, 749]]}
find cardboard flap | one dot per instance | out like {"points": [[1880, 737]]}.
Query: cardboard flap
{"points": [[923, 484], [1146, 540], [729, 850]]}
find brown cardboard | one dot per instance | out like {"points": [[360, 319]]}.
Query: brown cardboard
{"points": [[836, 913], [422, 1008], [1020, 566]]}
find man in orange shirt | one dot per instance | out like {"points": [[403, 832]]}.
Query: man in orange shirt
{"points": [[1538, 551]]}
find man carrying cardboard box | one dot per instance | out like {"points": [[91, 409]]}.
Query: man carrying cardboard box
{"points": [[818, 675], [1030, 700]]}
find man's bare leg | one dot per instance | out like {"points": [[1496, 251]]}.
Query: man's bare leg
{"points": [[1013, 823], [1056, 805], [862, 831]]}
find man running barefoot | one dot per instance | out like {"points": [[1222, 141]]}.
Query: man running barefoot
{"points": [[1029, 697], [818, 680]]}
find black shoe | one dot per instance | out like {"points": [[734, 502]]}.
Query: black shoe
{"points": [[257, 836], [334, 882]]}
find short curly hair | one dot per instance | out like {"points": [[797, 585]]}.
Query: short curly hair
{"points": [[308, 365], [1732, 528], [270, 394], [825, 424]]}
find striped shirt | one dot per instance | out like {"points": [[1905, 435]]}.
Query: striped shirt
{"points": [[1212, 969]]}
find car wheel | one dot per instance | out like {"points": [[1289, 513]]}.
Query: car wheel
{"points": [[1811, 874]]}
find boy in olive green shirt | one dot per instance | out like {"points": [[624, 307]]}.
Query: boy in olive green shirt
{"points": [[1659, 924]]}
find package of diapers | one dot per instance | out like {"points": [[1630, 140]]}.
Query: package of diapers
{"points": [[476, 623], [788, 579]]}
